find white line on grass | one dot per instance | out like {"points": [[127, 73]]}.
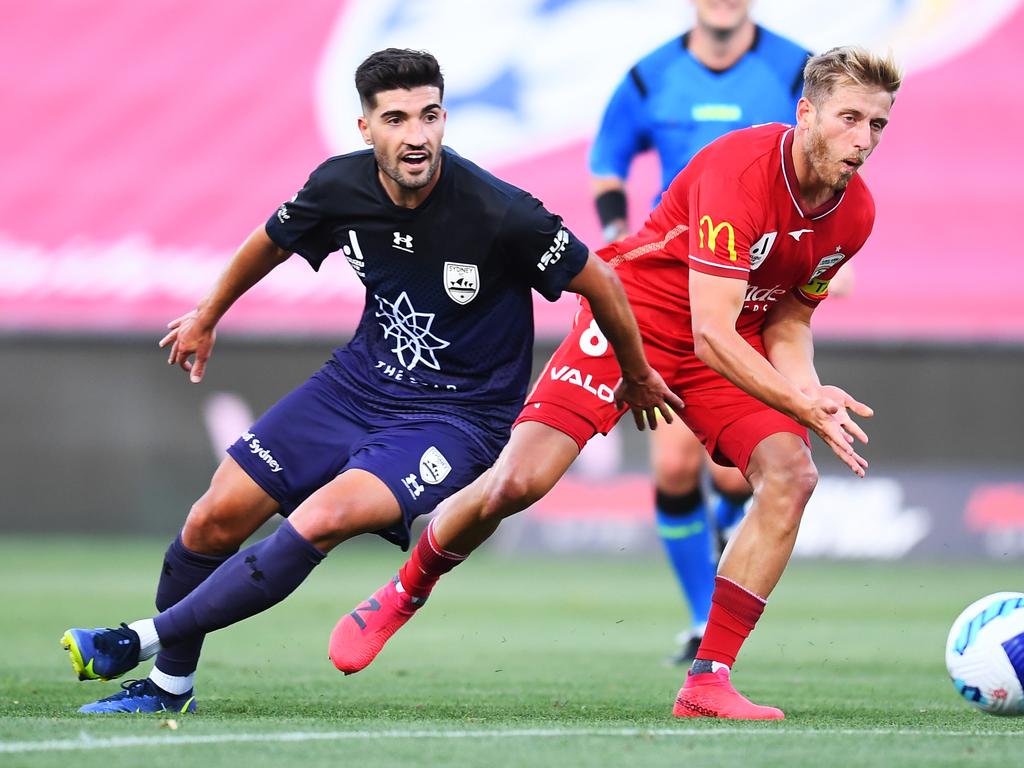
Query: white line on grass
{"points": [[86, 742]]}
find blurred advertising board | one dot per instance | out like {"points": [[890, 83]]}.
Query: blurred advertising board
{"points": [[145, 140]]}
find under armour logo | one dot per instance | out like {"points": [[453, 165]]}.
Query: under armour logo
{"points": [[370, 605], [413, 485], [257, 574], [402, 242]]}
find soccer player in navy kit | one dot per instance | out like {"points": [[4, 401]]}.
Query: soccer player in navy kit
{"points": [[417, 405], [725, 73]]}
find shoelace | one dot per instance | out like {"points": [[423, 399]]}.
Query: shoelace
{"points": [[110, 641], [135, 687]]}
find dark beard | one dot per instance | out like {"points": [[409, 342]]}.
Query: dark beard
{"points": [[394, 173]]}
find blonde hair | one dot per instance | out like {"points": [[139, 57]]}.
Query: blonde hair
{"points": [[849, 65]]}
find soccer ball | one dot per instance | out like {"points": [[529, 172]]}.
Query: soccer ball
{"points": [[985, 653]]}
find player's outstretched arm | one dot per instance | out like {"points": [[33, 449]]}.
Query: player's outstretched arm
{"points": [[790, 348], [191, 336], [641, 388], [716, 303]]}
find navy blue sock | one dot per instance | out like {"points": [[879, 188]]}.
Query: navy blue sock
{"points": [[683, 528], [249, 582], [183, 571], [729, 509]]}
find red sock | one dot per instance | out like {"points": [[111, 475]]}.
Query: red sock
{"points": [[734, 612], [428, 563]]}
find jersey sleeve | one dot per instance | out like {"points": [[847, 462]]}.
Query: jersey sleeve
{"points": [[724, 219], [622, 134], [302, 225], [541, 248]]}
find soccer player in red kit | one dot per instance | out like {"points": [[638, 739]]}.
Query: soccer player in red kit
{"points": [[723, 278]]}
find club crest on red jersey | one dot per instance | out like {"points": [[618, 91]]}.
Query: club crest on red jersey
{"points": [[827, 263]]}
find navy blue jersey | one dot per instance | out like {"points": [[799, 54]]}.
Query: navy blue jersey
{"points": [[672, 103], [447, 328]]}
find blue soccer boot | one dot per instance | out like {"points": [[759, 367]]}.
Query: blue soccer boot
{"points": [[142, 696], [101, 654]]}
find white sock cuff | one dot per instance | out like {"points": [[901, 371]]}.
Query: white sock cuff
{"points": [[172, 683], [149, 640]]}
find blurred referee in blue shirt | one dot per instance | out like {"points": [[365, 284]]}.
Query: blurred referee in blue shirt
{"points": [[725, 73]]}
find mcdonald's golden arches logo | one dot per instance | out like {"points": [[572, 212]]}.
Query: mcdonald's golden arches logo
{"points": [[713, 231]]}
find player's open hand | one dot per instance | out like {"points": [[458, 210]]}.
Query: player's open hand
{"points": [[830, 419], [187, 338], [648, 396]]}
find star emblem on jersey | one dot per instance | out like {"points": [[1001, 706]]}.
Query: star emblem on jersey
{"points": [[414, 343], [461, 281]]}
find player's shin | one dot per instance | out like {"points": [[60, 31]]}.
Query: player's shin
{"points": [[683, 530], [734, 613], [183, 570], [707, 691], [249, 582]]}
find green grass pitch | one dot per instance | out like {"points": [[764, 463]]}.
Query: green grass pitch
{"points": [[516, 661]]}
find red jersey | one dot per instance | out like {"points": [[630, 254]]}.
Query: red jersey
{"points": [[735, 211]]}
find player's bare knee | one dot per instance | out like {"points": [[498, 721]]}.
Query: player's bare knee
{"points": [[208, 529], [729, 481], [327, 525], [511, 492], [676, 465], [676, 474], [788, 484]]}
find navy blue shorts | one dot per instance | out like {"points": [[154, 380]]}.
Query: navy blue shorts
{"points": [[318, 431]]}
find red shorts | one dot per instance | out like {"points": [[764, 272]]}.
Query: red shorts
{"points": [[574, 394]]}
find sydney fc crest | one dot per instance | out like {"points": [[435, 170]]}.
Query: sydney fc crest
{"points": [[434, 467], [461, 281]]}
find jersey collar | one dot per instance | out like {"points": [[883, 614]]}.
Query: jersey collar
{"points": [[400, 210], [789, 174], [685, 40]]}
